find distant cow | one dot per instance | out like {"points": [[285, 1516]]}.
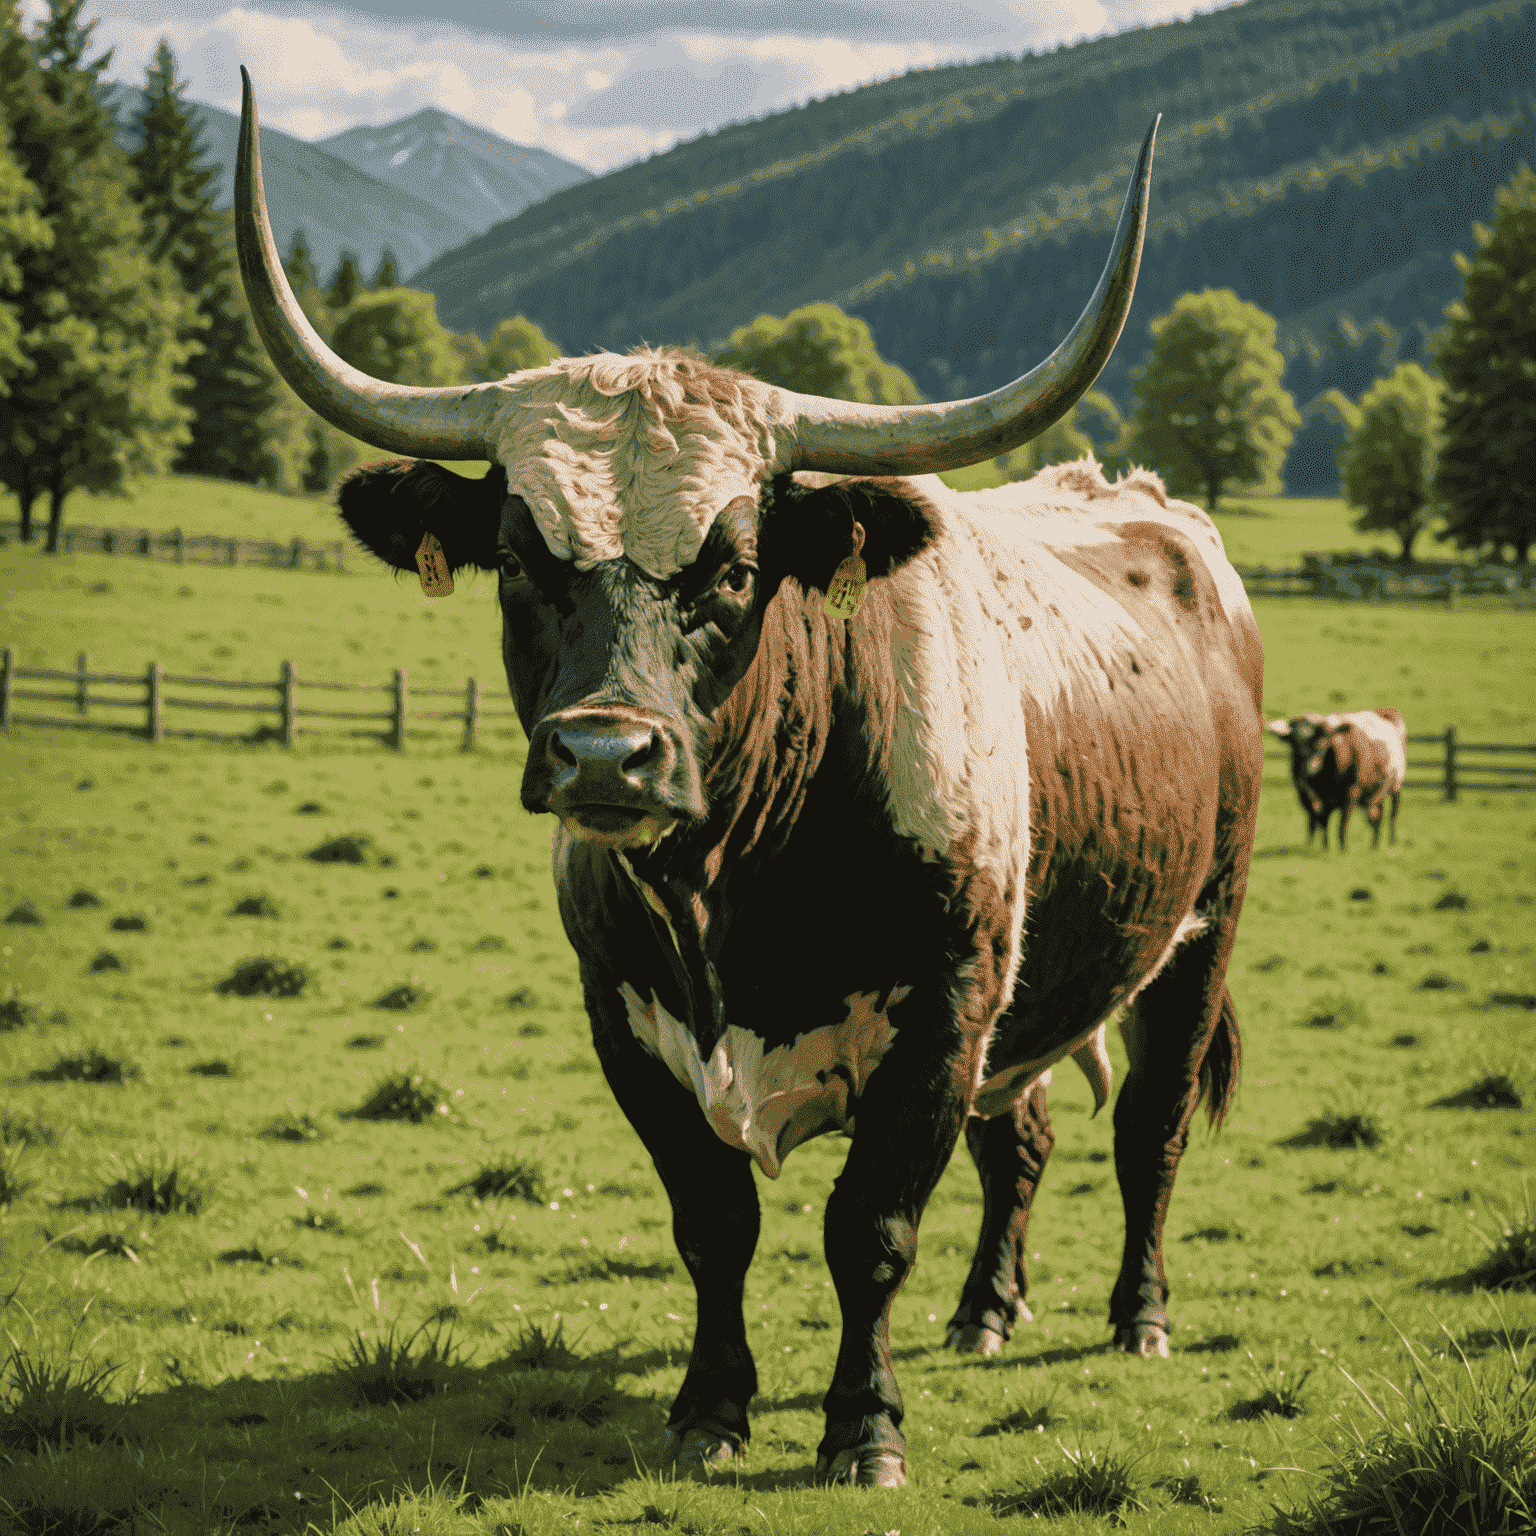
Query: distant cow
{"points": [[836, 859], [1341, 761]]}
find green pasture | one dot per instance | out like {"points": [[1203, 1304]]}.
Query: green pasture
{"points": [[297, 1235]]}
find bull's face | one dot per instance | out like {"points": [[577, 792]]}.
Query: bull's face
{"points": [[1311, 742], [619, 674]]}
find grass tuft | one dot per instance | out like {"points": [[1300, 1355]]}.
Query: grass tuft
{"points": [[128, 922], [155, 1187], [535, 1350], [92, 1067], [545, 1397], [1339, 1129], [255, 906], [293, 1127], [84, 898], [47, 1404], [1455, 1452], [405, 1096], [24, 1130], [1336, 1010], [1511, 1261], [399, 999], [1495, 1091], [1279, 1391], [391, 1370], [1187, 1490], [261, 976], [518, 1180], [15, 1013], [12, 1184], [104, 960], [351, 848], [1093, 1482], [23, 915]]}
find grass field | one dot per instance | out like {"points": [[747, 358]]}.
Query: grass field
{"points": [[250, 1254]]}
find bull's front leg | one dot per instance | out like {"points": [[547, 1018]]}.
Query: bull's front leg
{"points": [[906, 1124], [715, 1225]]}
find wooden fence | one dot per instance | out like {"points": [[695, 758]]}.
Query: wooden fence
{"points": [[1384, 581], [276, 711], [1460, 765], [193, 548]]}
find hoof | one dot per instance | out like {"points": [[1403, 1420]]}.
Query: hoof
{"points": [[863, 1468], [699, 1449], [1142, 1339], [972, 1339]]}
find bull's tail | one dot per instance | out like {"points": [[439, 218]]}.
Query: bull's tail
{"points": [[1223, 1062]]}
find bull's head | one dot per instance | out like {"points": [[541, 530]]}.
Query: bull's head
{"points": [[1310, 737], [641, 514]]}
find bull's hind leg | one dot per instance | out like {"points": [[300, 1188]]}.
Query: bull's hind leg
{"points": [[1010, 1154], [715, 1225], [1182, 1040]]}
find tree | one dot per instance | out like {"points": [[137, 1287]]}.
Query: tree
{"points": [[233, 389], [1067, 439], [100, 323], [305, 282], [23, 232], [517, 344], [346, 286], [386, 275], [395, 335], [819, 350], [1388, 458], [1211, 410], [1488, 362]]}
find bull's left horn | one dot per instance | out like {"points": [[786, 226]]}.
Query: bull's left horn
{"points": [[452, 423], [848, 438]]}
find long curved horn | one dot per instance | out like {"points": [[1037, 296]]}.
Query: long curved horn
{"points": [[849, 438], [452, 423]]}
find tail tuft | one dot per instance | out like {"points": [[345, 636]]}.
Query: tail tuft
{"points": [[1223, 1062]]}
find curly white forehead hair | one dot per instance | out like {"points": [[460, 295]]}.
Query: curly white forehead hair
{"points": [[634, 456]]}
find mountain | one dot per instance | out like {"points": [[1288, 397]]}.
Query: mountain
{"points": [[467, 179], [1320, 159], [468, 172]]}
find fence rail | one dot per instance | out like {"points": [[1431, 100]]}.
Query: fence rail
{"points": [[1380, 581], [281, 716], [194, 548], [1459, 768]]}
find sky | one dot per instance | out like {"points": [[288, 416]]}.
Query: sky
{"points": [[599, 82]]}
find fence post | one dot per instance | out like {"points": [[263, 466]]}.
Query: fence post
{"points": [[176, 544], [397, 722], [232, 548], [69, 541], [108, 542], [7, 674], [296, 554], [145, 542], [290, 704], [1453, 590], [1450, 762], [471, 714], [154, 726], [340, 556], [81, 697]]}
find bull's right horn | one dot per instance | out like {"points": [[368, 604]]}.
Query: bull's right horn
{"points": [[451, 423]]}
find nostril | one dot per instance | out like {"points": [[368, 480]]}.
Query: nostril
{"points": [[642, 754], [559, 751]]}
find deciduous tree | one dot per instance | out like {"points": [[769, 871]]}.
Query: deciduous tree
{"points": [[516, 344], [1211, 410], [819, 350], [395, 334], [1388, 458], [1488, 362]]}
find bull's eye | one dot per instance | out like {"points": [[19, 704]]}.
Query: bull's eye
{"points": [[511, 567], [737, 579]]}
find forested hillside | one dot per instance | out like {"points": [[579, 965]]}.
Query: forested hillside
{"points": [[1317, 158]]}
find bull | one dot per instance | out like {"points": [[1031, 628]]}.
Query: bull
{"points": [[873, 801], [1341, 761]]}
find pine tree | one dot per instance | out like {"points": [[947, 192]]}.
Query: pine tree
{"points": [[387, 275], [346, 285], [100, 323], [305, 282], [1488, 362], [1211, 409], [233, 390]]}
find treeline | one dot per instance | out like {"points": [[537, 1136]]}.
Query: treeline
{"points": [[126, 343]]}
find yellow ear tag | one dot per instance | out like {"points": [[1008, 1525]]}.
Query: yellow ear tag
{"points": [[433, 566], [846, 589]]}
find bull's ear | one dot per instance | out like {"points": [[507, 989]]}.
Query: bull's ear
{"points": [[390, 506], [808, 530], [1342, 726], [1280, 727]]}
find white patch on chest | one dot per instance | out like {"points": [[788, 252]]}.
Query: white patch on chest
{"points": [[768, 1102]]}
